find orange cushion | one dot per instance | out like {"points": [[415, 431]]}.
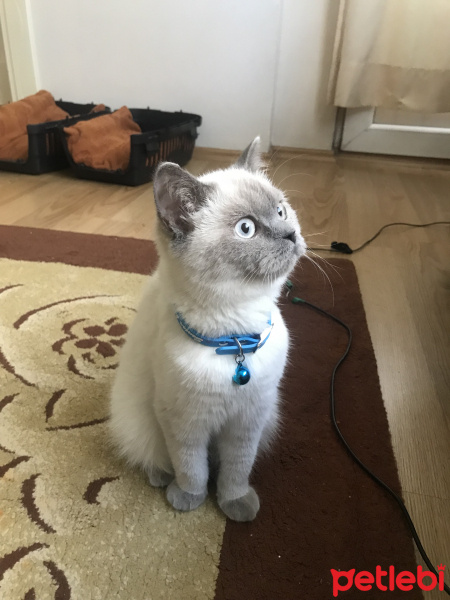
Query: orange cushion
{"points": [[103, 142], [14, 118], [98, 108], [17, 149]]}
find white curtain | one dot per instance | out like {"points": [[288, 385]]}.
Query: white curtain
{"points": [[392, 54]]}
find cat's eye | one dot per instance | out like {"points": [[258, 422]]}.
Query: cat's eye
{"points": [[281, 211], [245, 228]]}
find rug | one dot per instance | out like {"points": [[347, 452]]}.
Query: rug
{"points": [[77, 524]]}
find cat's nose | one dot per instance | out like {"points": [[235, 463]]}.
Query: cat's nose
{"points": [[290, 236]]}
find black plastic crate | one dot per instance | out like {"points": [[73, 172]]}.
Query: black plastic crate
{"points": [[45, 150], [168, 136]]}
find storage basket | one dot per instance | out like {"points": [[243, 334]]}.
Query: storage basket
{"points": [[168, 136], [45, 150]]}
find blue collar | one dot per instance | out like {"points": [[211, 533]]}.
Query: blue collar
{"points": [[227, 343]]}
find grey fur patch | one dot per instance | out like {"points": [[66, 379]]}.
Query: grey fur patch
{"points": [[159, 478], [182, 500], [178, 194], [242, 509], [220, 254], [251, 159]]}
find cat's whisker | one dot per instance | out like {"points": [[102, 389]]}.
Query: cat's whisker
{"points": [[272, 156], [294, 175], [269, 278], [314, 263], [249, 277], [296, 191], [269, 164], [285, 162], [335, 268], [307, 235], [324, 260], [319, 247], [272, 161], [253, 274], [324, 273]]}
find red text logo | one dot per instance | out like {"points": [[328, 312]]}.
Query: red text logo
{"points": [[387, 580]]}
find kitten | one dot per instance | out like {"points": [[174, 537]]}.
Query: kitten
{"points": [[226, 243]]}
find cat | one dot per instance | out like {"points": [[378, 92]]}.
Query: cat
{"points": [[226, 242]]}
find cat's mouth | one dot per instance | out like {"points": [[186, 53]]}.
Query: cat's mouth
{"points": [[289, 252], [295, 244]]}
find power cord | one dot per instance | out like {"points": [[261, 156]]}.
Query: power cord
{"points": [[365, 468], [344, 248]]}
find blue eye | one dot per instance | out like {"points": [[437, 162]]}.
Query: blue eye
{"points": [[245, 228], [281, 212]]}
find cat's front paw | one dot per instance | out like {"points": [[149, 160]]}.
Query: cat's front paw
{"points": [[159, 478], [242, 509], [182, 500]]}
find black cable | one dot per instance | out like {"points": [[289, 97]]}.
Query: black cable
{"points": [[344, 248], [344, 441]]}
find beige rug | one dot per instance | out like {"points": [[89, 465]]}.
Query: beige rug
{"points": [[76, 524], [69, 508]]}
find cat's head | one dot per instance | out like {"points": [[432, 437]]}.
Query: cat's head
{"points": [[228, 225]]}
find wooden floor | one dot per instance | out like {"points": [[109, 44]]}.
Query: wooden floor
{"points": [[404, 277]]}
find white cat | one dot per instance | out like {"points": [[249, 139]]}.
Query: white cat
{"points": [[226, 243]]}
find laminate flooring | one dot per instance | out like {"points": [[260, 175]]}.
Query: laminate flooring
{"points": [[404, 277]]}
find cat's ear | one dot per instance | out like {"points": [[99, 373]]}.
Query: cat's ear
{"points": [[251, 158], [178, 195]]}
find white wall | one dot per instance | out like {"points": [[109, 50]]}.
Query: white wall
{"points": [[302, 118], [214, 58], [247, 66]]}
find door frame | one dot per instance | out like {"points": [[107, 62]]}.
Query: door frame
{"points": [[19, 47], [361, 134]]}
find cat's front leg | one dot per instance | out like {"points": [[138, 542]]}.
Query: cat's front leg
{"points": [[189, 455], [238, 444]]}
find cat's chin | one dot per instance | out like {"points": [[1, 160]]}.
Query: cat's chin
{"points": [[274, 277], [282, 272]]}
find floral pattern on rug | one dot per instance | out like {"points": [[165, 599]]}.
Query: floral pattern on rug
{"points": [[76, 523], [87, 343]]}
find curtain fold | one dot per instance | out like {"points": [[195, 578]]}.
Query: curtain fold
{"points": [[392, 54]]}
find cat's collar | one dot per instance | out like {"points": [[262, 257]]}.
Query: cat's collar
{"points": [[227, 344]]}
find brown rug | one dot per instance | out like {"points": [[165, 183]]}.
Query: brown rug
{"points": [[77, 524]]}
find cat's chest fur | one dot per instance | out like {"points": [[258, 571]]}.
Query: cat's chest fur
{"points": [[179, 366]]}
